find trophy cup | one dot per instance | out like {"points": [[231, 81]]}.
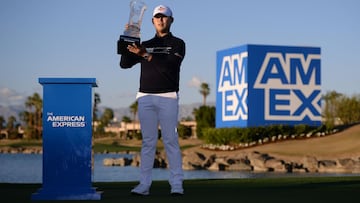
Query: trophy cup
{"points": [[132, 33]]}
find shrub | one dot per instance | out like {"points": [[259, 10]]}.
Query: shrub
{"points": [[235, 136]]}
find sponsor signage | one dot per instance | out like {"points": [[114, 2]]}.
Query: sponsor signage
{"points": [[258, 85], [67, 140]]}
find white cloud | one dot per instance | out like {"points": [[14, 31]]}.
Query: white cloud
{"points": [[10, 97], [194, 82]]}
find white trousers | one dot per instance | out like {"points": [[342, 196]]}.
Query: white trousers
{"points": [[154, 111]]}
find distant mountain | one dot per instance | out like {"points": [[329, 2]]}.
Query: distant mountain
{"points": [[13, 110], [185, 111]]}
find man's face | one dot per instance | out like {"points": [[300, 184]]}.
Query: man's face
{"points": [[162, 23]]}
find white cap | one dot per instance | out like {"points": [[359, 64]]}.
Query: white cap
{"points": [[161, 9]]}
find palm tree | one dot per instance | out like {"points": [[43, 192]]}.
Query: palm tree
{"points": [[97, 101], [107, 116], [11, 127], [38, 113], [126, 120], [2, 121], [28, 116], [134, 110], [205, 91], [33, 117]]}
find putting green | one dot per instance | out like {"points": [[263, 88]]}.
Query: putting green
{"points": [[290, 190]]}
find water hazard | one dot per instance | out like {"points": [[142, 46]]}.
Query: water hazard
{"points": [[27, 168]]}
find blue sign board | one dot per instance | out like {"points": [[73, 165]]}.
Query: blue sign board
{"points": [[67, 140], [259, 85]]}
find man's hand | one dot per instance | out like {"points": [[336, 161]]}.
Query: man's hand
{"points": [[138, 50]]}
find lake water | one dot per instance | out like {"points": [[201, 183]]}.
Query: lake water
{"points": [[27, 168]]}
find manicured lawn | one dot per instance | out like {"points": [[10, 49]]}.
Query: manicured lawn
{"points": [[290, 190]]}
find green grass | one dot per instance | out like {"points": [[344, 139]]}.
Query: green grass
{"points": [[98, 147], [115, 147], [290, 190], [25, 143]]}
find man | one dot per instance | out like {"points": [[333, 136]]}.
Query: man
{"points": [[158, 100]]}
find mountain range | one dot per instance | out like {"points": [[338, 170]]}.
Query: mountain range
{"points": [[185, 111]]}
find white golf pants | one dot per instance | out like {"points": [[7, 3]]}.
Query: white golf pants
{"points": [[154, 111]]}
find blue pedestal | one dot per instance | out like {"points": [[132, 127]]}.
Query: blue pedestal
{"points": [[67, 140]]}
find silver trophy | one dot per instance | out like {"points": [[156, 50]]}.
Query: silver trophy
{"points": [[132, 33]]}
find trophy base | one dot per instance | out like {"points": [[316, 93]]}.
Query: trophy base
{"points": [[124, 41]]}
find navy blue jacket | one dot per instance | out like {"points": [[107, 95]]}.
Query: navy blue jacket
{"points": [[162, 73]]}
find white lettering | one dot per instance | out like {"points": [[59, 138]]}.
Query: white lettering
{"points": [[291, 85], [234, 87], [66, 121]]}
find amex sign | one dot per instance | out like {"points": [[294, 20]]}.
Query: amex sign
{"points": [[258, 85]]}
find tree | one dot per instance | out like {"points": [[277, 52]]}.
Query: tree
{"points": [[11, 127], [348, 110], [134, 110], [341, 109], [331, 107], [126, 119], [104, 121], [33, 116], [205, 91], [205, 118], [2, 122], [107, 116], [97, 101]]}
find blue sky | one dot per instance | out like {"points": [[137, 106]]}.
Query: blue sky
{"points": [[77, 38]]}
